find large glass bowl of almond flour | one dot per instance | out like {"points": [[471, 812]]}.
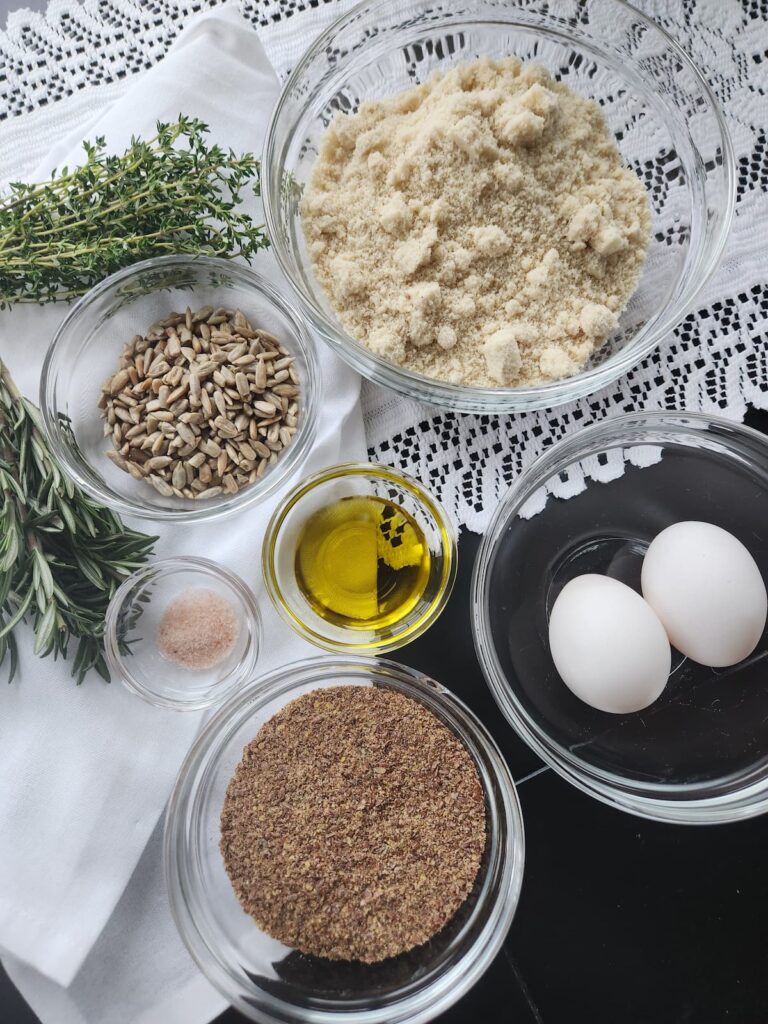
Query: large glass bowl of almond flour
{"points": [[657, 105]]}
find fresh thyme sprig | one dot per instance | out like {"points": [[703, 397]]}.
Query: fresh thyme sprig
{"points": [[62, 555], [174, 193]]}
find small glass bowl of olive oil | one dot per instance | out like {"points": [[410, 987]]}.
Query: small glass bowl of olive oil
{"points": [[359, 557]]}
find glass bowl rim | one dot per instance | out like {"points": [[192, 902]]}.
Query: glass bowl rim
{"points": [[448, 987], [339, 471], [654, 801], [456, 397], [165, 567], [223, 505]]}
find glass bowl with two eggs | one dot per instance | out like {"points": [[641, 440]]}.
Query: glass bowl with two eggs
{"points": [[591, 508]]}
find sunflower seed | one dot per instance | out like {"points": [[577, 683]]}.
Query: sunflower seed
{"points": [[179, 477], [158, 462], [220, 402], [242, 385], [210, 447], [179, 409], [118, 459], [224, 427], [186, 433], [160, 486]]}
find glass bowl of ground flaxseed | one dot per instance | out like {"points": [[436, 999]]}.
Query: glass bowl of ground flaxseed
{"points": [[344, 842]]}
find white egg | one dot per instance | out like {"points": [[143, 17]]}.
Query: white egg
{"points": [[608, 645], [708, 592]]}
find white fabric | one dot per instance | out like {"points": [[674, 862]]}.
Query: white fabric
{"points": [[138, 972], [87, 770]]}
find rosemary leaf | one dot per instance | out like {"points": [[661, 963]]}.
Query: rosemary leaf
{"points": [[62, 556]]}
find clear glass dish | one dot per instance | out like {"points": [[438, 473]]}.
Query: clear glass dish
{"points": [[270, 982], [661, 110], [134, 616], [331, 485], [85, 351], [593, 503]]}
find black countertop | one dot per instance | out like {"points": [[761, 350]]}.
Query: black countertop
{"points": [[621, 920]]}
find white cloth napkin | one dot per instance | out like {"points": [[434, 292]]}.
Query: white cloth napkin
{"points": [[87, 770]]}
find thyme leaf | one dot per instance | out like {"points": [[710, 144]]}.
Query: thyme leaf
{"points": [[174, 193]]}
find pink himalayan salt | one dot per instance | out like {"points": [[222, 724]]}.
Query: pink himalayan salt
{"points": [[198, 630]]}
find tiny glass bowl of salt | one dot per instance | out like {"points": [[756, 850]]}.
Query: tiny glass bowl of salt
{"points": [[182, 633]]}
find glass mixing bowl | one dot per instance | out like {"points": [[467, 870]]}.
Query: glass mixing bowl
{"points": [[593, 504], [662, 112], [266, 980], [88, 344]]}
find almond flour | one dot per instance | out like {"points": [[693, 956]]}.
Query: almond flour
{"points": [[480, 228]]}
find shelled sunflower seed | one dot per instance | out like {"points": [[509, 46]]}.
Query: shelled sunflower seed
{"points": [[201, 405]]}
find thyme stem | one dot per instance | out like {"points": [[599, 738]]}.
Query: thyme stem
{"points": [[174, 193]]}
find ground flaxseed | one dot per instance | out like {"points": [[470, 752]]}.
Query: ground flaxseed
{"points": [[354, 826]]}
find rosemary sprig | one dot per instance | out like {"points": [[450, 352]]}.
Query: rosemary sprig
{"points": [[174, 193], [62, 555]]}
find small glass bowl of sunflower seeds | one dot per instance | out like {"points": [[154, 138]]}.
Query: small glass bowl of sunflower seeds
{"points": [[181, 389]]}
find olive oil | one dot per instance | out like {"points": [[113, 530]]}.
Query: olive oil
{"points": [[362, 563]]}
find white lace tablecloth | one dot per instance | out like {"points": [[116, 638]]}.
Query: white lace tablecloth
{"points": [[58, 69]]}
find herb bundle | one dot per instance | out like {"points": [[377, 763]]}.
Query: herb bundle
{"points": [[62, 555], [174, 193]]}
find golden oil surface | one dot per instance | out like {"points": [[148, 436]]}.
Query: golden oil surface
{"points": [[362, 563]]}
